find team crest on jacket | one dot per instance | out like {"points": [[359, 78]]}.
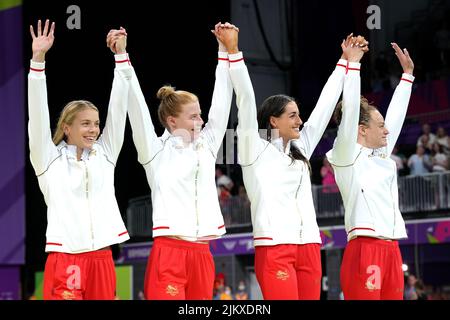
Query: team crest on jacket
{"points": [[172, 290], [282, 275]]}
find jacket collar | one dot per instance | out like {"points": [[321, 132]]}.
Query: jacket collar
{"points": [[278, 143], [380, 152], [178, 143], [71, 151]]}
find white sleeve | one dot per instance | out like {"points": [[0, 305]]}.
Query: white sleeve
{"points": [[314, 128], [42, 148], [345, 145], [397, 109], [219, 112], [114, 130], [144, 136], [250, 145]]}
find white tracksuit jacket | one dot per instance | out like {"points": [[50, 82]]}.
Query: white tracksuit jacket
{"points": [[280, 191], [182, 178], [82, 213], [367, 178]]}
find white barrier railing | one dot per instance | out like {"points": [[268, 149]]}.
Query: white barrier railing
{"points": [[423, 193]]}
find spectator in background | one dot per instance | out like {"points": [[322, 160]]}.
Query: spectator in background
{"points": [[226, 294], [443, 139], [410, 289], [426, 132], [419, 162], [219, 284], [242, 293], [224, 185], [439, 160], [328, 181], [424, 141], [400, 161], [222, 179], [224, 195], [239, 207], [420, 290]]}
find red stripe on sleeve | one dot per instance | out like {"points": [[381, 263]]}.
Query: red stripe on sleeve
{"points": [[406, 80], [237, 60]]}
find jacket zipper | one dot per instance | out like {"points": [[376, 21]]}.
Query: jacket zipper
{"points": [[196, 195], [87, 198], [296, 204]]}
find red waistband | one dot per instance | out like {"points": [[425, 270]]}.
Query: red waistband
{"points": [[376, 241], [178, 243], [100, 254]]}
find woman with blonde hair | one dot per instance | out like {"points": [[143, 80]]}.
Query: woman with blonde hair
{"points": [[180, 169], [75, 171]]}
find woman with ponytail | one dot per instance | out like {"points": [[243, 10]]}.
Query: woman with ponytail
{"points": [[371, 267], [180, 169], [276, 174], [75, 171]]}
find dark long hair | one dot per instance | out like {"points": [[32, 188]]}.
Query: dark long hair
{"points": [[274, 106]]}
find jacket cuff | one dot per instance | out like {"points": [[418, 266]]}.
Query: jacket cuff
{"points": [[349, 66], [37, 68], [222, 59], [407, 77], [342, 63], [236, 60], [354, 66], [122, 61]]}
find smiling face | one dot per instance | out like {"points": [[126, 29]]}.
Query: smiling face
{"points": [[373, 134], [189, 120], [84, 129], [288, 123]]}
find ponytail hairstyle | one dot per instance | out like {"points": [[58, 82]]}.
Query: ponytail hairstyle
{"points": [[171, 102], [365, 108], [68, 115], [274, 106]]}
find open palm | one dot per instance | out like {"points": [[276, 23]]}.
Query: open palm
{"points": [[404, 58], [43, 41]]}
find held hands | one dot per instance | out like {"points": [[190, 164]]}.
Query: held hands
{"points": [[353, 48], [227, 37], [404, 58], [43, 41], [116, 40]]}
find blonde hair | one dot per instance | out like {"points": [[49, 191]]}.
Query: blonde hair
{"points": [[171, 102], [364, 114], [67, 116]]}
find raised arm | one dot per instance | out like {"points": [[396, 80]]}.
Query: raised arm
{"points": [[215, 128], [345, 145], [398, 107], [249, 141], [114, 130], [144, 136], [42, 148], [314, 128]]}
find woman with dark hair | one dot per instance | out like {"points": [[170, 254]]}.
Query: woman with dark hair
{"points": [[276, 174]]}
